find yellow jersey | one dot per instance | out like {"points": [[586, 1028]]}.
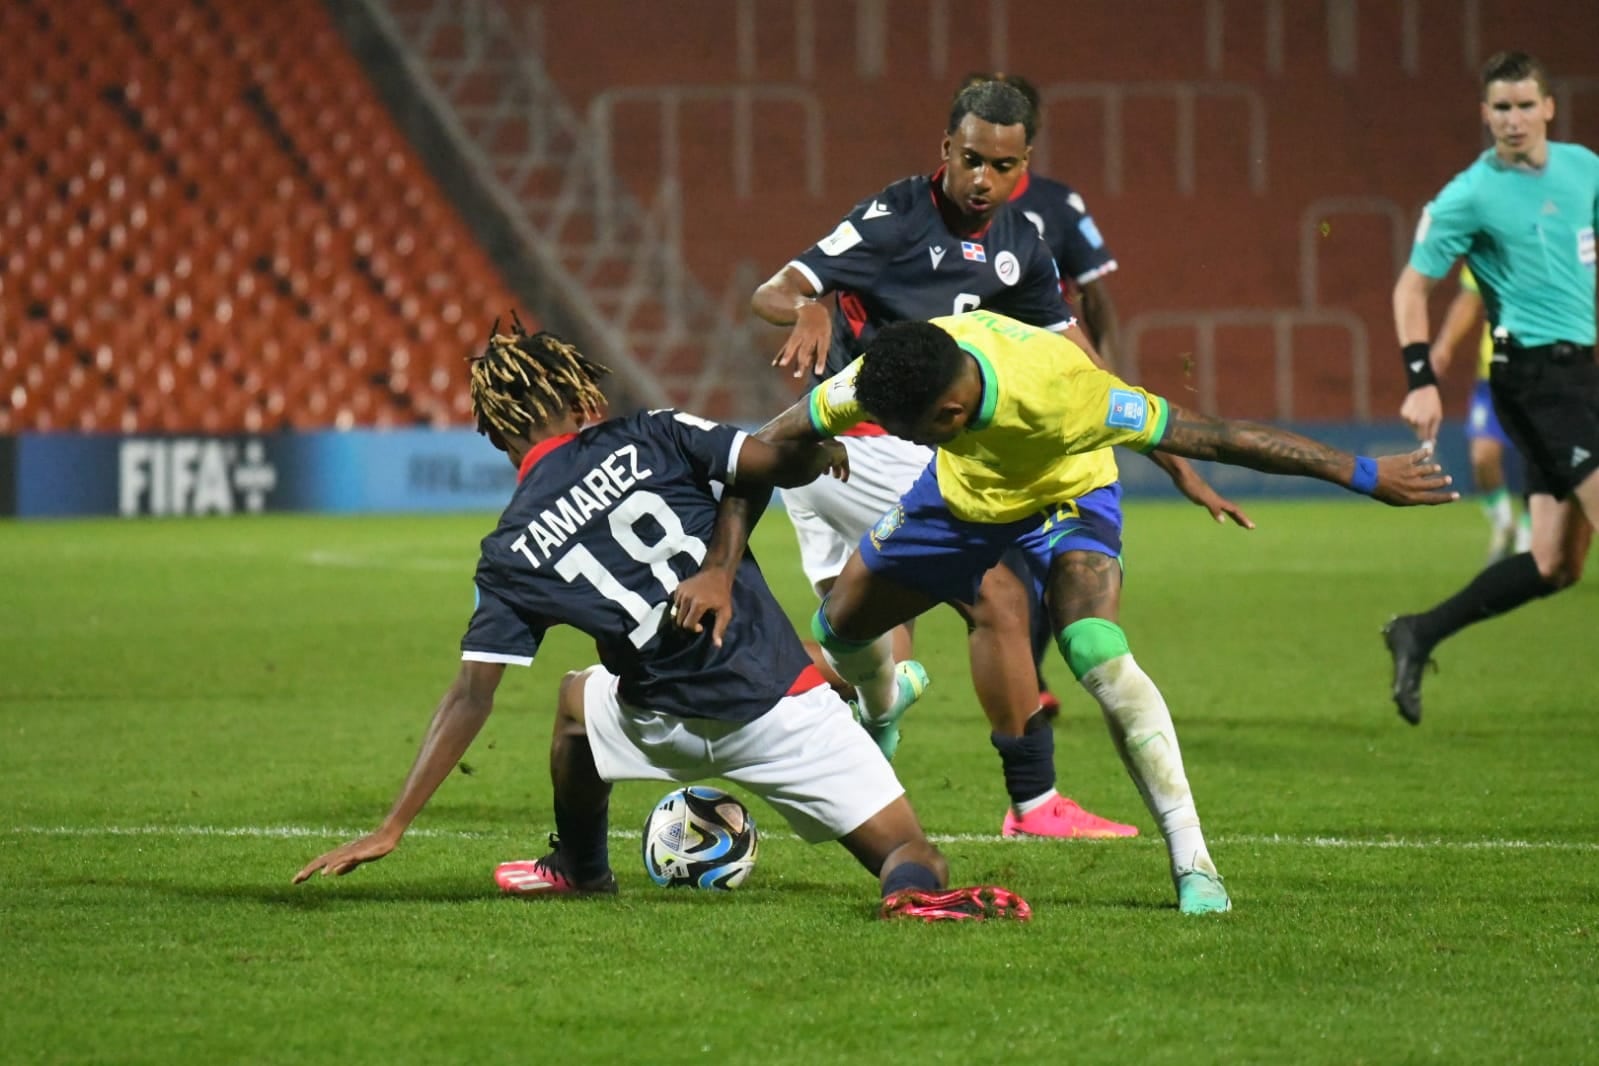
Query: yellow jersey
{"points": [[1485, 347], [1043, 432]]}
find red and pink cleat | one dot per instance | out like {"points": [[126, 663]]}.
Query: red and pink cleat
{"points": [[545, 877], [1063, 818], [982, 903]]}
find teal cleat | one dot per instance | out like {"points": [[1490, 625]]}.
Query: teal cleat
{"points": [[1201, 892], [913, 681]]}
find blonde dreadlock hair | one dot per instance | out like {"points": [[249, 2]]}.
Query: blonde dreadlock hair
{"points": [[523, 380]]}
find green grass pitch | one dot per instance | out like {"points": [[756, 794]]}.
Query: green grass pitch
{"points": [[190, 710]]}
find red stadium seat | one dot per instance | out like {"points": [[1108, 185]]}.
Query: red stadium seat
{"points": [[166, 221]]}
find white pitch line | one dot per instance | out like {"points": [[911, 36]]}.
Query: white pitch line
{"points": [[295, 832]]}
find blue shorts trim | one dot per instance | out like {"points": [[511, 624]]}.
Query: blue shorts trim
{"points": [[1482, 420], [920, 545]]}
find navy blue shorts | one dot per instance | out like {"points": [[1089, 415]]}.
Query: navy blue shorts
{"points": [[920, 545]]}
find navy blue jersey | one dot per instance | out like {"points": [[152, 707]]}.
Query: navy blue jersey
{"points": [[602, 527], [893, 259], [1066, 226]]}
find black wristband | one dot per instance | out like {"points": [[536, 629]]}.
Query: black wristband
{"points": [[1418, 366]]}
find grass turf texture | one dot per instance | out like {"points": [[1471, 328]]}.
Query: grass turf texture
{"points": [[250, 676]]}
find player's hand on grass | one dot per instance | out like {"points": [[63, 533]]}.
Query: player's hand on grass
{"points": [[807, 343], [341, 860], [1423, 411], [708, 592], [1412, 479]]}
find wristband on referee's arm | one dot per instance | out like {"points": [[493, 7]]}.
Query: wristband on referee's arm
{"points": [[1364, 479], [1418, 366]]}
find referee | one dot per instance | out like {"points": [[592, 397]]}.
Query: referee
{"points": [[1523, 216]]}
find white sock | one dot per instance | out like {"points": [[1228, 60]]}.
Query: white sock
{"points": [[1523, 533], [1024, 809], [1142, 730], [871, 670]]}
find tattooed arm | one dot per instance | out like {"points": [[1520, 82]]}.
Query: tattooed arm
{"points": [[1401, 480]]}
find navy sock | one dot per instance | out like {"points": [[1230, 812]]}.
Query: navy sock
{"points": [[584, 849], [910, 875], [1028, 760], [1502, 587]]}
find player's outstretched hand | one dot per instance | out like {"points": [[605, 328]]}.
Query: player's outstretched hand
{"points": [[707, 592], [341, 860], [1423, 411], [807, 343], [1413, 479], [1219, 506]]}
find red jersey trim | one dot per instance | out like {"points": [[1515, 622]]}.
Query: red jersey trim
{"points": [[540, 450], [865, 429], [809, 678]]}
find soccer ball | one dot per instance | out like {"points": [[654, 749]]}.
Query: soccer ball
{"points": [[701, 837]]}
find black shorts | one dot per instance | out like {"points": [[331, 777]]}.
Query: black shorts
{"points": [[1548, 402]]}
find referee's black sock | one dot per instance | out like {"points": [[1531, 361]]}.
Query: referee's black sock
{"points": [[1501, 587]]}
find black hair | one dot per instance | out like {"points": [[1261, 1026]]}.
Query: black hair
{"points": [[908, 367], [1015, 81], [523, 380], [1514, 66], [996, 102]]}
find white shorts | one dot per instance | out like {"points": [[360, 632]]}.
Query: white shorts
{"points": [[806, 756], [830, 516]]}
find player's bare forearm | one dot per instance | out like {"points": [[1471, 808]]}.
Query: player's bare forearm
{"points": [[460, 715], [1173, 466], [1254, 445], [736, 515], [1099, 317], [781, 297], [1198, 490], [456, 722], [793, 424]]}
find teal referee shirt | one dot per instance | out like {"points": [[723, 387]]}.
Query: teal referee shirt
{"points": [[1528, 236]]}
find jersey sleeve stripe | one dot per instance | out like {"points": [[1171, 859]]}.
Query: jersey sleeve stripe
{"points": [[810, 275], [732, 456], [1097, 273], [1157, 434], [496, 657], [818, 423]]}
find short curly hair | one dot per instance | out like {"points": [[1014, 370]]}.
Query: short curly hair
{"points": [[996, 102], [909, 365]]}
